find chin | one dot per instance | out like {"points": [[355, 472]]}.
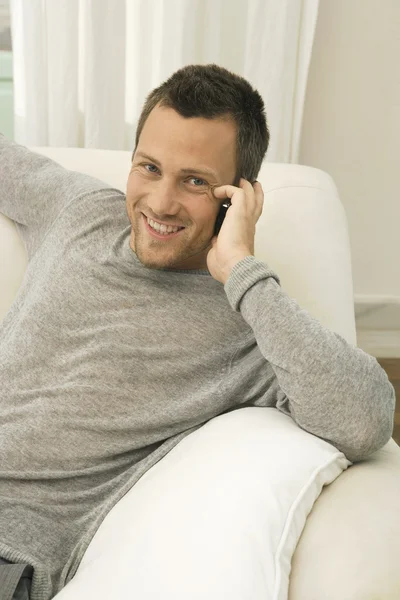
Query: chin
{"points": [[178, 258], [150, 263], [150, 260]]}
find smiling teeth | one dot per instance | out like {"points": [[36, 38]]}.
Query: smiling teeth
{"points": [[162, 228]]}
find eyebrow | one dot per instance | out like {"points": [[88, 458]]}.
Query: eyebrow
{"points": [[207, 172]]}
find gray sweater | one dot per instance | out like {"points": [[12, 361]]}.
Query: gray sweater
{"points": [[105, 365]]}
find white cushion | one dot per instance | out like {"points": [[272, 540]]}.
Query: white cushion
{"points": [[219, 517]]}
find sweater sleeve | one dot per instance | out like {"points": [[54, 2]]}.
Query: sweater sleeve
{"points": [[330, 388], [34, 189]]}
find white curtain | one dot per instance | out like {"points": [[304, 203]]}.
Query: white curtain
{"points": [[83, 68]]}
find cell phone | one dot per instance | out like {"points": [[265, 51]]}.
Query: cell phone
{"points": [[221, 215]]}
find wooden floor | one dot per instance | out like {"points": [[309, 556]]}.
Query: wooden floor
{"points": [[392, 368]]}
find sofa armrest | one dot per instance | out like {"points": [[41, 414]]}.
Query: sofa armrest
{"points": [[350, 545]]}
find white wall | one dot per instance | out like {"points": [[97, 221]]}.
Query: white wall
{"points": [[351, 129]]}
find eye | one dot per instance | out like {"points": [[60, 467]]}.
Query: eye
{"points": [[149, 165], [202, 181]]}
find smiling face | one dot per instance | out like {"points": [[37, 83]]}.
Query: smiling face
{"points": [[158, 188]]}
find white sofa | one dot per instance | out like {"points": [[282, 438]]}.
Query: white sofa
{"points": [[350, 546]]}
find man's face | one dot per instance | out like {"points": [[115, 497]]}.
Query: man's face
{"points": [[162, 192]]}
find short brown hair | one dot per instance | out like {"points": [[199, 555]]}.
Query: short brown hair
{"points": [[210, 92]]}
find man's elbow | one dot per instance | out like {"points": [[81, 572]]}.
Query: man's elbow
{"points": [[374, 431], [362, 451]]}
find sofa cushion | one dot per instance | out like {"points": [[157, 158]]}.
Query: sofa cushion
{"points": [[218, 517]]}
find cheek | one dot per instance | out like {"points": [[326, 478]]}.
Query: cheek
{"points": [[134, 190], [132, 185]]}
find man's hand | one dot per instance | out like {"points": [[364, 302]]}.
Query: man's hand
{"points": [[235, 240]]}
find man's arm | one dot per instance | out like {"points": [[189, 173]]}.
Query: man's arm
{"points": [[34, 189], [331, 388]]}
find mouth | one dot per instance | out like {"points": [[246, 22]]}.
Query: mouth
{"points": [[157, 235]]}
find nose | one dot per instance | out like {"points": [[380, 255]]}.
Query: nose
{"points": [[162, 202]]}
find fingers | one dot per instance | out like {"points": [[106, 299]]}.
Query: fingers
{"points": [[221, 190], [252, 191]]}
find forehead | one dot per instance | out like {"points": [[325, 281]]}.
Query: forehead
{"points": [[180, 142]]}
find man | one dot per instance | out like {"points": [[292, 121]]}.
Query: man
{"points": [[126, 336]]}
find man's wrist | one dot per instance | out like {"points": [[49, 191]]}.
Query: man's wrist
{"points": [[233, 263]]}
